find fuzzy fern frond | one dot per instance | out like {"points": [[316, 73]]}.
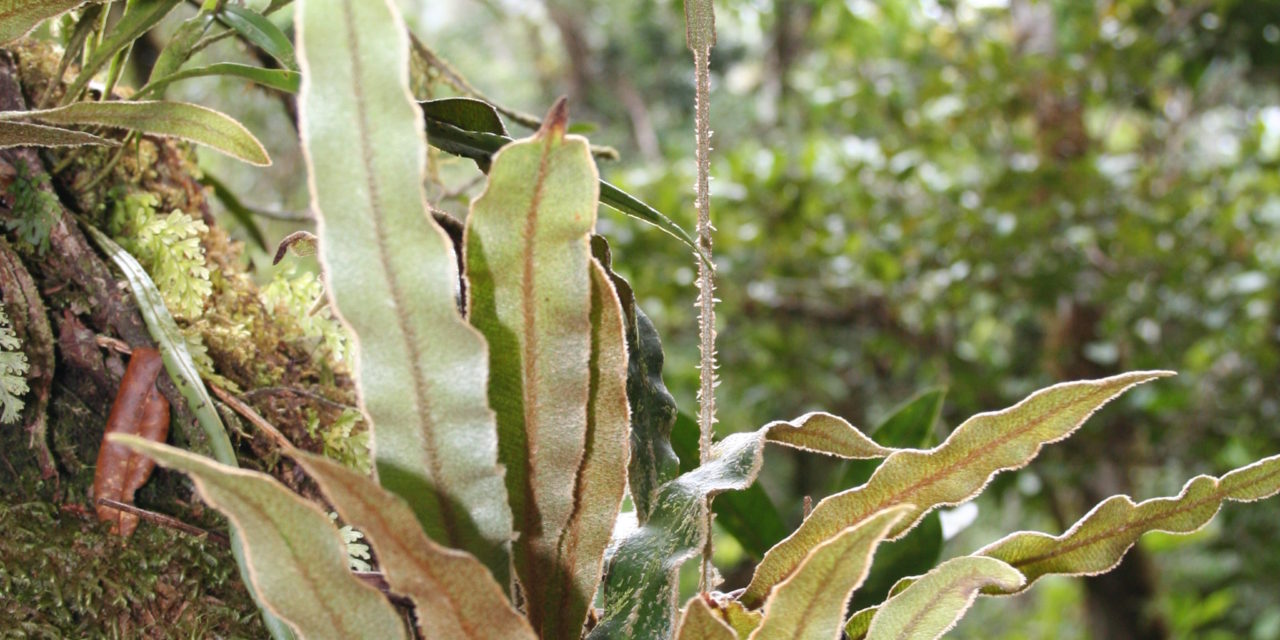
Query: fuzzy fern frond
{"points": [[35, 210], [345, 440], [13, 373], [168, 247], [357, 552], [294, 295]]}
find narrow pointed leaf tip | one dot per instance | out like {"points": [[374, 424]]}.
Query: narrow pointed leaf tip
{"points": [[557, 120], [932, 606], [454, 595], [810, 604], [181, 120], [454, 131], [949, 474], [392, 272], [296, 557], [825, 433]]}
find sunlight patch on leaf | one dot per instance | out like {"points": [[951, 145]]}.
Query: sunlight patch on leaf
{"points": [[810, 603], [949, 474]]}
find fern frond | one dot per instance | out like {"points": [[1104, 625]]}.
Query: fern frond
{"points": [[13, 373]]}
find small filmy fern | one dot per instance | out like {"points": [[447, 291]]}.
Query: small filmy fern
{"points": [[13, 372], [35, 210]]}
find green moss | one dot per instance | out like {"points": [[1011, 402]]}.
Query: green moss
{"points": [[292, 297], [63, 576], [344, 439]]}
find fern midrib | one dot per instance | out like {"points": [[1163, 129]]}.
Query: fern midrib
{"points": [[1218, 496], [424, 568], [571, 535], [531, 374], [801, 630], [410, 337], [302, 563], [976, 452], [908, 630]]}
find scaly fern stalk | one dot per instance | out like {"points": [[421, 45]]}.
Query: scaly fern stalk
{"points": [[700, 32], [640, 586]]}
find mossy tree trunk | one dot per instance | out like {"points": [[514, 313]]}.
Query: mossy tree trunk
{"points": [[61, 573]]}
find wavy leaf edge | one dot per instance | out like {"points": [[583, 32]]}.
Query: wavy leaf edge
{"points": [[901, 478], [325, 574], [1257, 481], [940, 599]]}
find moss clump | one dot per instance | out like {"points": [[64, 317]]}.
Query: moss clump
{"points": [[63, 576], [292, 297], [344, 439], [240, 340]]}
